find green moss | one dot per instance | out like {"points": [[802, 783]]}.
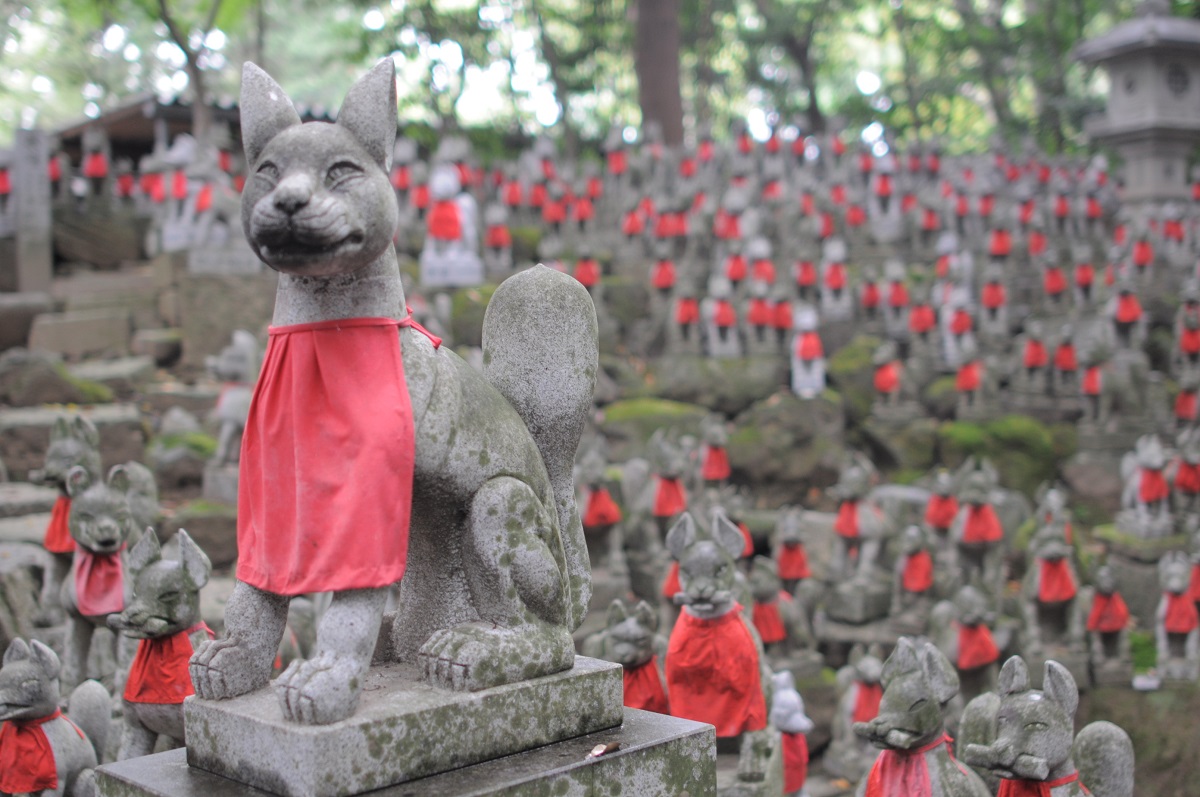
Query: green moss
{"points": [[1143, 650], [855, 356], [1025, 451], [93, 392], [639, 408], [964, 437], [525, 244], [467, 307], [202, 444], [201, 507]]}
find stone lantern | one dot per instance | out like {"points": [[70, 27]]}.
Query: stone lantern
{"points": [[1153, 113]]}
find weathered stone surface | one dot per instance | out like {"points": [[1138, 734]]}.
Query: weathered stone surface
{"points": [[124, 375], [659, 756], [18, 589], [17, 311], [212, 526], [727, 385], [208, 317], [25, 435], [22, 498], [628, 425], [196, 399], [911, 446], [80, 333], [24, 528], [785, 444], [406, 730], [163, 346], [1095, 478], [29, 378]]}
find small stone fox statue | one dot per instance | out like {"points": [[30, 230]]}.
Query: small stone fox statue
{"points": [[632, 640], [1034, 748], [41, 751], [460, 481], [164, 615], [918, 683]]}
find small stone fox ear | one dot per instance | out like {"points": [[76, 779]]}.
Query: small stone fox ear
{"points": [[195, 563], [681, 536], [18, 650], [146, 552], [646, 615], [369, 112], [265, 111], [1014, 677], [616, 612]]}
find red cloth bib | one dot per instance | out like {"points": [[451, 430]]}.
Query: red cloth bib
{"points": [[1152, 486], [159, 673], [918, 572], [1035, 788], [1194, 583], [960, 322], [835, 277], [99, 583], [601, 510], [325, 488], [806, 274], [445, 222], [633, 224], [887, 378], [976, 648], [1093, 379], [724, 315], [498, 236], [1187, 478], [870, 295], [1035, 354], [982, 525], [866, 701], [1085, 275], [1055, 582], [1129, 309], [748, 547], [898, 295], [968, 377], [1064, 357], [670, 498], [846, 524], [1109, 612], [809, 348], [644, 688], [95, 165], [716, 464], [671, 585], [921, 319], [901, 773], [26, 758], [1181, 616], [58, 531], [735, 268], [662, 276], [1189, 340], [1054, 281], [792, 561], [713, 673], [687, 311], [764, 271], [993, 295], [940, 511], [1143, 253], [759, 314], [795, 761], [587, 272], [781, 316], [769, 622]]}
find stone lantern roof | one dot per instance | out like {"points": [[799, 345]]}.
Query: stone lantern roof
{"points": [[1153, 26]]}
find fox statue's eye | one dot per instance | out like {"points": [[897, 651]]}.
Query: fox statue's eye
{"points": [[168, 597], [32, 686], [920, 704], [268, 171], [341, 172], [1036, 726]]}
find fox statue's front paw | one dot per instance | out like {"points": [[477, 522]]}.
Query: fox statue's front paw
{"points": [[321, 690], [222, 669], [475, 656]]}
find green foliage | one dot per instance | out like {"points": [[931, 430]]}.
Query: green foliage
{"points": [[1143, 650], [93, 392], [201, 444], [639, 408], [1025, 451]]}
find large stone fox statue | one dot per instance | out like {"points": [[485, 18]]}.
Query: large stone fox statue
{"points": [[371, 453]]}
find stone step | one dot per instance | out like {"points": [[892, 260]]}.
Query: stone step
{"points": [[24, 528], [25, 435], [17, 313], [80, 333], [161, 345], [125, 376], [655, 756], [196, 399], [23, 498]]}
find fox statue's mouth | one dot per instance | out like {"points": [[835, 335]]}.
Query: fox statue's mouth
{"points": [[12, 710], [292, 248]]}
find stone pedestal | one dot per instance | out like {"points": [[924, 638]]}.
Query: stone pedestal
{"points": [[221, 483], [654, 756], [857, 602]]}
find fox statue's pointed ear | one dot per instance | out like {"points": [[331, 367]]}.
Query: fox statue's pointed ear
{"points": [[265, 111], [146, 552], [196, 564], [369, 112], [18, 650], [46, 658], [616, 612]]}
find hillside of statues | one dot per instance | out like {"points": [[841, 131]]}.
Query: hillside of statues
{"points": [[926, 422]]}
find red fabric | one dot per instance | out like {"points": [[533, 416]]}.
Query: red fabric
{"points": [[1025, 214], [902, 773], [763, 270], [898, 295], [809, 348], [826, 226], [671, 584], [1092, 380], [883, 185], [1189, 340], [795, 762], [940, 511], [1129, 309], [644, 688], [512, 193], [748, 546], [1181, 617], [976, 648], [713, 673], [204, 198], [745, 144], [781, 316], [618, 162], [670, 498], [159, 673], [726, 226], [26, 757], [663, 275], [769, 622], [587, 271], [1055, 582], [1193, 591], [420, 197], [918, 572], [58, 532], [153, 186], [716, 464], [687, 311], [1064, 357], [773, 190], [554, 211], [633, 224], [921, 319], [1152, 486], [993, 296], [497, 236], [1035, 788], [1054, 281], [792, 561], [846, 524], [537, 195], [1035, 354], [760, 314], [687, 167], [583, 209], [968, 377], [866, 701], [987, 203], [1037, 242], [705, 151], [601, 510], [806, 274], [724, 315], [930, 220], [887, 377], [95, 165], [1093, 208], [1185, 405], [5, 183], [1187, 478], [1000, 244], [99, 583], [960, 322], [941, 267], [595, 188], [330, 413], [835, 277], [54, 169], [445, 222], [401, 178], [179, 185], [735, 268], [1109, 612], [870, 295], [981, 524], [124, 184], [856, 216], [1143, 253]]}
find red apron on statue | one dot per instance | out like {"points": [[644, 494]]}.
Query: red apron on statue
{"points": [[713, 673], [1108, 614], [1152, 486], [768, 621], [687, 310], [976, 647], [1055, 582], [1181, 617], [26, 759], [330, 414], [1035, 354], [445, 222], [644, 688], [918, 572], [792, 561], [1033, 788], [846, 524], [671, 585], [795, 761], [940, 511], [716, 464], [901, 773], [981, 524], [99, 583], [887, 377], [159, 673], [670, 498], [58, 532], [866, 701], [1187, 478], [601, 510]]}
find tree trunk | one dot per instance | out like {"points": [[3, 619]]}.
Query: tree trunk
{"points": [[562, 93], [656, 60]]}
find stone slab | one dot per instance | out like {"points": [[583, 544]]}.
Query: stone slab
{"points": [[23, 498], [405, 729], [124, 375], [76, 334], [17, 313], [659, 756], [196, 399], [24, 528], [25, 434]]}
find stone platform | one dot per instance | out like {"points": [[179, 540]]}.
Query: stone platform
{"points": [[658, 756], [404, 730]]}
